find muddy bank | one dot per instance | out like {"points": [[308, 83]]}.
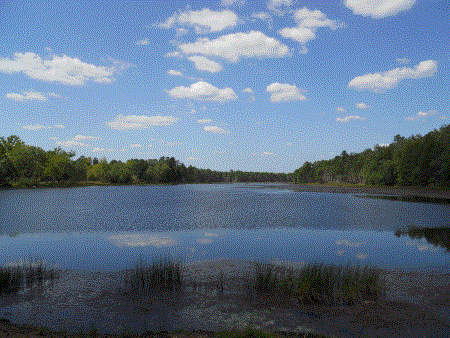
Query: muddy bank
{"points": [[415, 305]]}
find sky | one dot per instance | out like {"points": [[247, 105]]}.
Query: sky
{"points": [[243, 85]]}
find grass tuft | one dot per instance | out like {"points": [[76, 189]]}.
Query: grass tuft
{"points": [[163, 274], [24, 275], [317, 284]]}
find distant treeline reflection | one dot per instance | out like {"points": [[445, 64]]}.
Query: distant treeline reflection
{"points": [[436, 236]]}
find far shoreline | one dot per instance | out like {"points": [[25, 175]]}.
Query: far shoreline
{"points": [[401, 191]]}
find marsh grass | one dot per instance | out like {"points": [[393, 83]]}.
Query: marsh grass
{"points": [[25, 274], [316, 284], [163, 275]]}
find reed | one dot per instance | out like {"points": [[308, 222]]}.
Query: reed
{"points": [[164, 274], [317, 284], [25, 275]]}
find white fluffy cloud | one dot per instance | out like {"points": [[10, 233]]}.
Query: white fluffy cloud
{"points": [[215, 129], [308, 21], [203, 91], [84, 138], [267, 153], [39, 126], [122, 122], [63, 69], [234, 46], [380, 82], [204, 121], [362, 105], [174, 72], [202, 63], [350, 118], [203, 21], [278, 3], [284, 92], [27, 96], [421, 115], [378, 9], [143, 42]]}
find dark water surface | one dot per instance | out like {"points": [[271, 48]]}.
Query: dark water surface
{"points": [[109, 228]]}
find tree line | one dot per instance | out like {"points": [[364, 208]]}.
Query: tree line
{"points": [[414, 161], [26, 165]]}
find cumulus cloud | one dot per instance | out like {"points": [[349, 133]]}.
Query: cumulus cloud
{"points": [[249, 91], [215, 129], [202, 63], [421, 115], [27, 96], [232, 47], [128, 122], [278, 3], [350, 118], [63, 69], [362, 105], [136, 145], [203, 21], [203, 91], [340, 109], [232, 2], [261, 16], [308, 21], [83, 137], [378, 9], [39, 126], [266, 153], [284, 92], [204, 121], [143, 42], [380, 82], [174, 72]]}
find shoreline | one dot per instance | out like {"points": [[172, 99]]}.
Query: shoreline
{"points": [[370, 190], [414, 302], [425, 192]]}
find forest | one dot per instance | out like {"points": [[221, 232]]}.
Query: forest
{"points": [[23, 165], [420, 161]]}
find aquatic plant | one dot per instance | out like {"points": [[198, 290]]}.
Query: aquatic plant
{"points": [[316, 284], [164, 274], [25, 274]]}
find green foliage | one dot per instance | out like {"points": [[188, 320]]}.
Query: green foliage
{"points": [[414, 161]]}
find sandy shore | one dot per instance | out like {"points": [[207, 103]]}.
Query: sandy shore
{"points": [[416, 305]]}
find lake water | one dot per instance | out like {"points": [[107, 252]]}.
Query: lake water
{"points": [[109, 228]]}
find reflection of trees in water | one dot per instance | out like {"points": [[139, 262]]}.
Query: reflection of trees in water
{"points": [[436, 236]]}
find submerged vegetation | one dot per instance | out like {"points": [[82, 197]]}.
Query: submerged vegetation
{"points": [[25, 275], [422, 161], [317, 284]]}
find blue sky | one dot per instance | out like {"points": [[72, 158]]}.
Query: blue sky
{"points": [[242, 85]]}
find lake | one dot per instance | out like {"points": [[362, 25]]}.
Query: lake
{"points": [[110, 228]]}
